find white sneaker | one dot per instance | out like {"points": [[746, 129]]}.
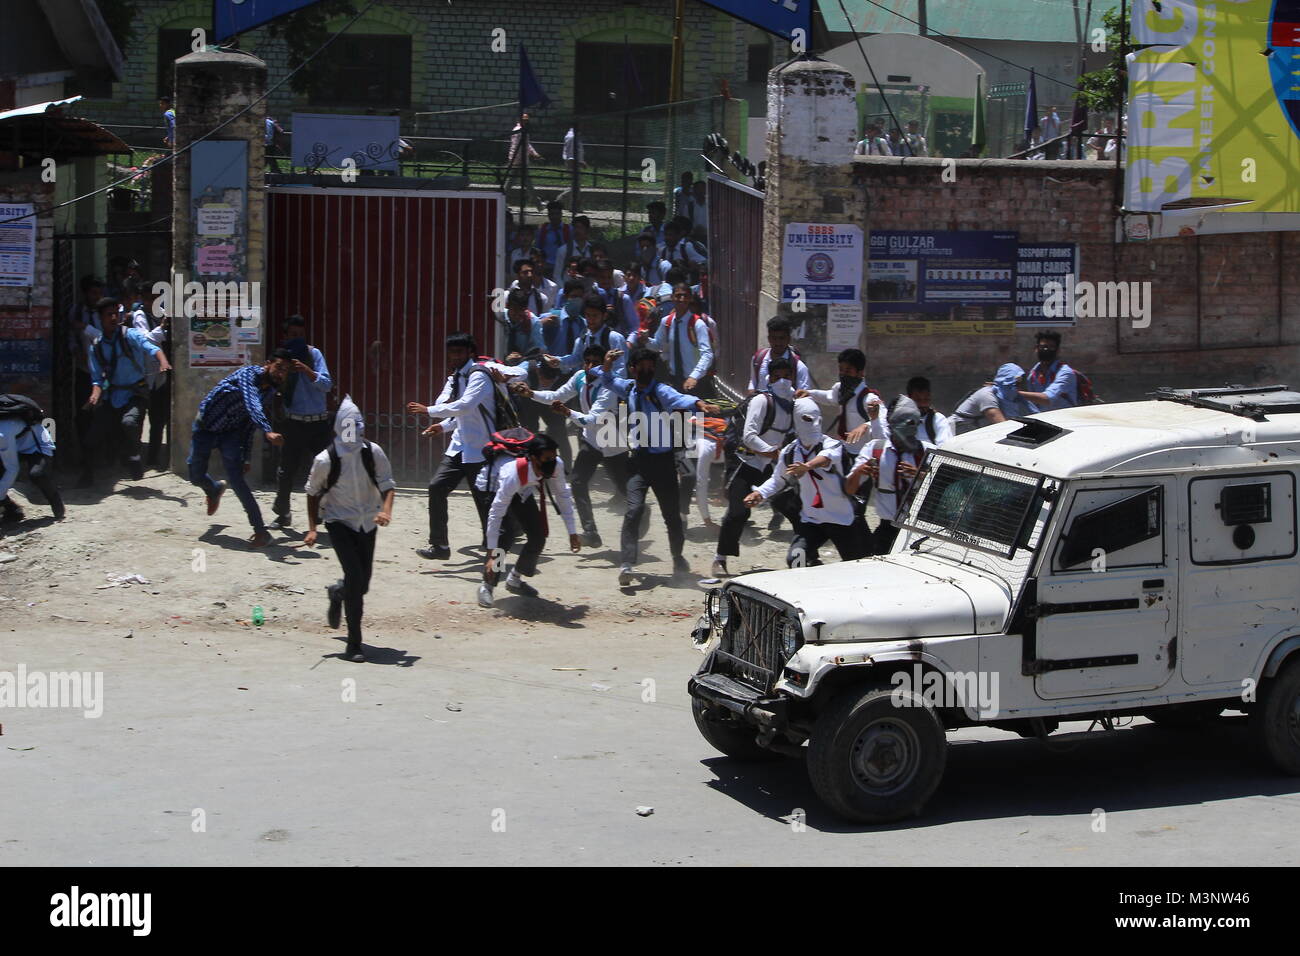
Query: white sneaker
{"points": [[625, 576], [484, 596]]}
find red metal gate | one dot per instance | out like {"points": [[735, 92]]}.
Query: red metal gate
{"points": [[383, 276], [735, 274]]}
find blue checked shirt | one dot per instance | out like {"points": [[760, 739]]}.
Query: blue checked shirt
{"points": [[236, 402]]}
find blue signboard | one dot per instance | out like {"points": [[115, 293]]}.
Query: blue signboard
{"points": [[781, 17], [235, 16], [942, 276]]}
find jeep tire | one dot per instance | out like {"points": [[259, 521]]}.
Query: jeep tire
{"points": [[873, 761], [1275, 719], [732, 737]]}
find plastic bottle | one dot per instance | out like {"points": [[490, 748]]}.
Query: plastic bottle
{"points": [[258, 617]]}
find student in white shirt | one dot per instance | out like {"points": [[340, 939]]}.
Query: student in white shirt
{"points": [[893, 464], [351, 486], [820, 465], [600, 441], [778, 347], [514, 485], [936, 428], [470, 400], [579, 245], [857, 406]]}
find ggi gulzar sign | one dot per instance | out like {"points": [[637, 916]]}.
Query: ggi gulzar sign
{"points": [[1214, 106]]}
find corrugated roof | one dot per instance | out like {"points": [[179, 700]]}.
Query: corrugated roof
{"points": [[1043, 21], [42, 130]]}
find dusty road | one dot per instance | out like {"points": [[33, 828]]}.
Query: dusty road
{"points": [[529, 733]]}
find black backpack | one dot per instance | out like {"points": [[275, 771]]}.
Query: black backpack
{"points": [[20, 406], [367, 459], [733, 438]]}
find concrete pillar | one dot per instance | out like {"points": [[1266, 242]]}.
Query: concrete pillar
{"points": [[811, 131], [212, 87]]}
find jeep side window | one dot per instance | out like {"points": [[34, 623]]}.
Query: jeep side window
{"points": [[1112, 528]]}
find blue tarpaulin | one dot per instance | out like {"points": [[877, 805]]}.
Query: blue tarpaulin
{"points": [[781, 17], [235, 16]]}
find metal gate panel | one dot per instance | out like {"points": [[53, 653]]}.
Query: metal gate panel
{"points": [[383, 276], [735, 274]]}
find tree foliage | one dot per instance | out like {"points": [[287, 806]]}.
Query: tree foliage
{"points": [[1105, 90], [303, 33], [119, 17]]}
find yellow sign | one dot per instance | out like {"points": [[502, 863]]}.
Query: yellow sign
{"points": [[1214, 106]]}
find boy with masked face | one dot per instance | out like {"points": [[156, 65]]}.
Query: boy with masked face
{"points": [[350, 485], [769, 420], [1051, 383], [515, 509], [820, 465], [993, 403], [892, 463], [857, 405]]}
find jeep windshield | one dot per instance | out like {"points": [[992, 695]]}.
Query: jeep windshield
{"points": [[987, 507]]}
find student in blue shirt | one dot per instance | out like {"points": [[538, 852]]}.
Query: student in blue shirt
{"points": [[564, 324], [226, 420], [523, 329], [121, 361], [1051, 384], [308, 424], [652, 467], [169, 117], [31, 445], [597, 332]]}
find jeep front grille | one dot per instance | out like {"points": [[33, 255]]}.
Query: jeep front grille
{"points": [[751, 648]]}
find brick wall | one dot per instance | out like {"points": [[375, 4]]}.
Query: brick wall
{"points": [[452, 64], [1225, 308]]}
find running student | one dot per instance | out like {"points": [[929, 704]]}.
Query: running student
{"points": [[227, 418], [351, 486], [24, 440], [858, 415], [993, 403], [893, 464], [768, 422], [515, 481], [820, 465], [599, 442], [652, 466], [597, 332], [935, 426], [473, 403]]}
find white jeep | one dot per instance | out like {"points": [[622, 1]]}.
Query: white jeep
{"points": [[1083, 564]]}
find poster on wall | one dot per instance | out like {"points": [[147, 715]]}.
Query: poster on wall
{"points": [[17, 244], [1036, 265], [821, 262], [922, 282], [213, 345]]}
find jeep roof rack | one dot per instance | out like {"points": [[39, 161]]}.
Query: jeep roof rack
{"points": [[1254, 403]]}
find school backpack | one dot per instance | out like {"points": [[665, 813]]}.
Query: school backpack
{"points": [[336, 463], [516, 443], [22, 407], [1086, 394], [734, 437], [504, 414], [691, 337], [846, 465], [762, 354]]}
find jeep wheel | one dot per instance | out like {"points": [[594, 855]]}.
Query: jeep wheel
{"points": [[732, 737], [873, 761], [1275, 721], [1189, 716]]}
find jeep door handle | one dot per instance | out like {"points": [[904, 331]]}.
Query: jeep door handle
{"points": [[1153, 583]]}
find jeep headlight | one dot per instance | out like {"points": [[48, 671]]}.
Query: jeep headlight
{"points": [[718, 609], [791, 635]]}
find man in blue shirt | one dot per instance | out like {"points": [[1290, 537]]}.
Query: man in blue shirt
{"points": [[226, 420], [652, 467], [564, 324], [308, 424], [169, 118], [121, 361], [1051, 384]]}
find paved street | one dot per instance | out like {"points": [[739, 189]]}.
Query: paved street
{"points": [[475, 739]]}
